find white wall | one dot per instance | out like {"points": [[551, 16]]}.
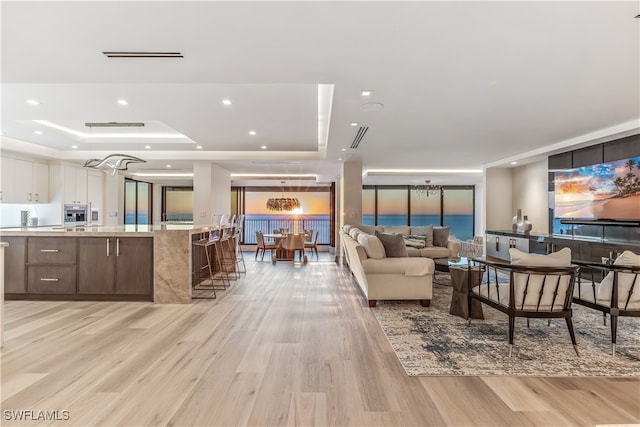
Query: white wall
{"points": [[530, 193], [211, 191], [498, 206]]}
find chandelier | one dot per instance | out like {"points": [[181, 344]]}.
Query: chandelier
{"points": [[427, 189], [113, 162], [282, 203]]}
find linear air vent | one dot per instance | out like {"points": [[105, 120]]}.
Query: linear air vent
{"points": [[359, 136], [143, 54], [114, 125]]}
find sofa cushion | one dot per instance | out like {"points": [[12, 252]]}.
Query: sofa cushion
{"points": [[397, 229], [393, 244], [441, 236], [625, 280], [406, 266], [369, 229], [353, 232], [426, 231], [435, 252], [412, 241], [371, 245], [346, 228], [562, 258], [413, 252]]}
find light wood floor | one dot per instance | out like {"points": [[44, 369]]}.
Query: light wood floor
{"points": [[286, 345]]}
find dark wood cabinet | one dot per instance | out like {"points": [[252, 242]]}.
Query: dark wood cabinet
{"points": [[115, 265], [15, 260], [134, 265], [96, 265], [52, 250], [51, 279]]}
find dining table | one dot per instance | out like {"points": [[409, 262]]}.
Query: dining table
{"points": [[281, 253]]}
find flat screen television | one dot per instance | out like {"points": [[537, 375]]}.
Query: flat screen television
{"points": [[602, 191]]}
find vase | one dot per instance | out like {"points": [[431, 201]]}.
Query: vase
{"points": [[516, 220]]}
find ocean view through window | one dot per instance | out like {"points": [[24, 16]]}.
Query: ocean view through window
{"points": [[399, 205]]}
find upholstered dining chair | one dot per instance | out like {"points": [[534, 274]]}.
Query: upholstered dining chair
{"points": [[262, 246], [295, 243], [312, 245]]}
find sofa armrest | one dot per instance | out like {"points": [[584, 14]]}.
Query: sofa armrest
{"points": [[454, 247]]}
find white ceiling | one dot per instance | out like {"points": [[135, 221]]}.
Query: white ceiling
{"points": [[462, 84]]}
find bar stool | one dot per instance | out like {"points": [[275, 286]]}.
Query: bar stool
{"points": [[206, 243], [229, 254], [237, 237]]}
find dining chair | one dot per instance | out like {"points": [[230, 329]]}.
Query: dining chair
{"points": [[312, 244], [262, 246], [295, 243]]}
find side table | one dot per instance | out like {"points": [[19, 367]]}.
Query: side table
{"points": [[459, 298]]}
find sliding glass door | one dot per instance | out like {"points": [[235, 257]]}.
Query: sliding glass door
{"points": [[137, 202]]}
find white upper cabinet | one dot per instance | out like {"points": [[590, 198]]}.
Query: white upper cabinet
{"points": [[95, 193], [7, 195], [24, 181], [75, 185]]}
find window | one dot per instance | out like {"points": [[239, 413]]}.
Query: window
{"points": [[393, 206], [137, 202], [177, 204], [400, 205]]}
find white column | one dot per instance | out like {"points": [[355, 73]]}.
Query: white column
{"points": [[113, 200], [211, 191], [351, 192]]}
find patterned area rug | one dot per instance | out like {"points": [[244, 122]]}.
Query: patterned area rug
{"points": [[430, 341]]}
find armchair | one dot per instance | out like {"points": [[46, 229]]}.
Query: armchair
{"points": [[535, 286]]}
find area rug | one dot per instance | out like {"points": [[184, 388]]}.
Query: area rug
{"points": [[430, 341]]}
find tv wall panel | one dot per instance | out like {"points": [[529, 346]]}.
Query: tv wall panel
{"points": [[622, 148]]}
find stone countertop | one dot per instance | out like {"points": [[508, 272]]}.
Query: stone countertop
{"points": [[100, 231]]}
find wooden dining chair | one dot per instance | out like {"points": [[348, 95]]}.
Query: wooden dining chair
{"points": [[295, 243]]}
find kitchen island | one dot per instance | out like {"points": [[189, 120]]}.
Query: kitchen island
{"points": [[127, 263]]}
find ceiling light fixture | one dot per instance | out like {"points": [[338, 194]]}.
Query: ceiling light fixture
{"points": [[38, 132], [514, 163], [32, 102], [354, 124], [168, 166], [226, 102], [367, 92], [74, 146], [114, 162], [122, 102], [343, 149], [143, 54], [252, 132], [282, 203], [263, 147], [427, 189], [199, 147], [114, 124], [147, 147]]}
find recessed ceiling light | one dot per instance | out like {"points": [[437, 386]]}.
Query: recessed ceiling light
{"points": [[263, 147], [354, 123], [252, 132], [123, 102], [343, 149], [32, 102], [367, 92], [168, 166], [147, 146], [199, 147], [514, 163], [38, 132], [226, 102], [340, 159], [74, 146]]}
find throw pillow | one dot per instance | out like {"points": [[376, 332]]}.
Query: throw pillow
{"points": [[625, 280], [418, 242], [426, 231], [441, 236], [562, 258], [393, 244], [372, 246]]}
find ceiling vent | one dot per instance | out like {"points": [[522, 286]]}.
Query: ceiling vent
{"points": [[359, 136], [143, 54], [114, 125]]}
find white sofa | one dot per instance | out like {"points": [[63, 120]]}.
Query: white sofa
{"points": [[384, 278]]}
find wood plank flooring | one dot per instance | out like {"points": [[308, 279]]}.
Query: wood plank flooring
{"points": [[286, 345]]}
